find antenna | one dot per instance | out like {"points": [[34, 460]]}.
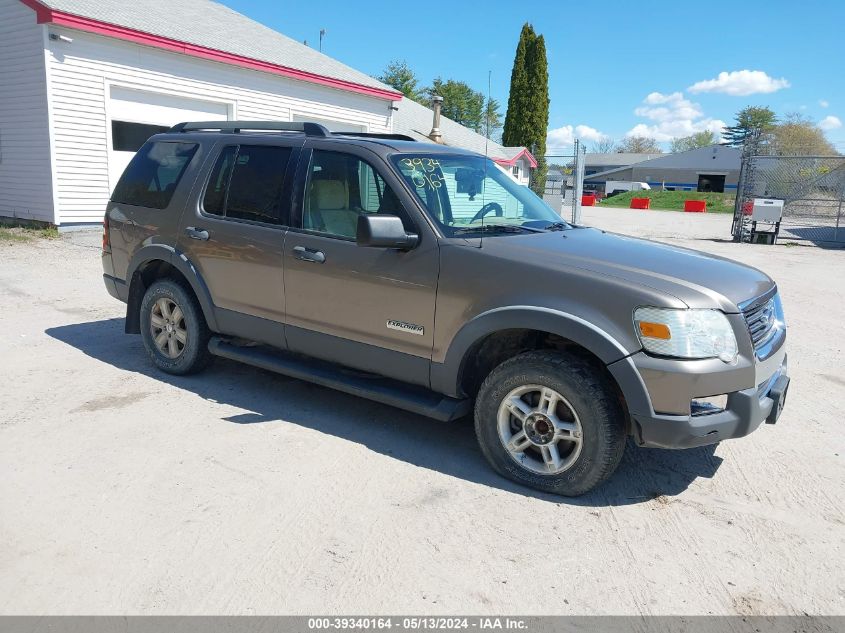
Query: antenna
{"points": [[486, 155], [322, 35]]}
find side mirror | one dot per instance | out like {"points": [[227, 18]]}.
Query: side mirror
{"points": [[384, 231]]}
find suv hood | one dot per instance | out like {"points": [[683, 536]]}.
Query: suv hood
{"points": [[698, 279]]}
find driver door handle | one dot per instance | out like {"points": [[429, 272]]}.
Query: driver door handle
{"points": [[309, 254], [196, 233]]}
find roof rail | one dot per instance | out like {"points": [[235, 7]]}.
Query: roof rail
{"points": [[235, 127], [389, 137]]}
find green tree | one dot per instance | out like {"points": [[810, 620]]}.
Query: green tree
{"points": [[750, 121], [398, 75], [638, 145], [527, 119], [693, 141], [461, 103], [492, 119], [516, 125], [799, 136]]}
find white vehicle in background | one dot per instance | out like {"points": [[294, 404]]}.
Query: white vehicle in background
{"points": [[612, 187]]}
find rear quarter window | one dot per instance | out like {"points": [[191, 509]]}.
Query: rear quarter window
{"points": [[151, 177]]}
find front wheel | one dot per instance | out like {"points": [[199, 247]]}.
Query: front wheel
{"points": [[550, 421]]}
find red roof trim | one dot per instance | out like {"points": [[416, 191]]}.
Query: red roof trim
{"points": [[510, 162], [46, 15]]}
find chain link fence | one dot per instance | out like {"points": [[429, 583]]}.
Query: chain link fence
{"points": [[564, 187], [812, 189]]}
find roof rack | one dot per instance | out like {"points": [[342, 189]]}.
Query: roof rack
{"points": [[235, 127], [389, 137]]}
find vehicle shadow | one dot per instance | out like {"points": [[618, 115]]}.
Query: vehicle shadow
{"points": [[450, 448]]}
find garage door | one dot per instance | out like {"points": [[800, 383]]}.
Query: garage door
{"points": [[135, 115]]}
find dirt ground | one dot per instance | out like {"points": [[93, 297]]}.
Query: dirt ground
{"points": [[125, 490]]}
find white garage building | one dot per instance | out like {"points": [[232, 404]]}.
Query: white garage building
{"points": [[84, 82]]}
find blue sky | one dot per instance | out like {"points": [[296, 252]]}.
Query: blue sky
{"points": [[661, 69]]}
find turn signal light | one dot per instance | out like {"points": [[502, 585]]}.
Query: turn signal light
{"points": [[655, 330]]}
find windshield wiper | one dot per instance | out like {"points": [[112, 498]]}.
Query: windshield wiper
{"points": [[496, 228], [558, 226]]}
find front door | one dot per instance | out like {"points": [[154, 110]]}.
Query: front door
{"points": [[366, 308], [234, 236]]}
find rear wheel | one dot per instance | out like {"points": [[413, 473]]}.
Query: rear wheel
{"points": [[550, 421], [173, 328]]}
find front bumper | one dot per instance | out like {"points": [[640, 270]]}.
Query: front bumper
{"points": [[744, 412]]}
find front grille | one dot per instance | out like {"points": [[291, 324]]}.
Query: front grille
{"points": [[761, 320]]}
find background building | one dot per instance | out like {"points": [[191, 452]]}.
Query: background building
{"points": [[714, 168], [86, 82]]}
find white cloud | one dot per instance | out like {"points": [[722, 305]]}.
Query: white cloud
{"points": [[566, 135], [739, 83], [824, 103], [830, 123], [673, 116]]}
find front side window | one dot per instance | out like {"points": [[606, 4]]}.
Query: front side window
{"points": [[151, 177], [246, 183], [470, 194], [340, 188]]}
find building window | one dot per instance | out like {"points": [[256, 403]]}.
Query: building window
{"points": [[515, 171], [129, 137], [153, 174]]}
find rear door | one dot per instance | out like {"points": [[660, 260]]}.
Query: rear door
{"points": [[233, 233], [367, 308]]}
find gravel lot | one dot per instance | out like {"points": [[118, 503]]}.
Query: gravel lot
{"points": [[240, 492]]}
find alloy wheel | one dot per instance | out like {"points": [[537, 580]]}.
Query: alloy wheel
{"points": [[167, 325], [540, 429]]}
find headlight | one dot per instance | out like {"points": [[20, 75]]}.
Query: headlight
{"points": [[686, 333]]}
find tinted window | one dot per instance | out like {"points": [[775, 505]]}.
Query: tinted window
{"points": [[130, 137], [342, 187], [215, 194], [246, 183], [151, 177]]}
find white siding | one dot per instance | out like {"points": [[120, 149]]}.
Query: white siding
{"points": [[83, 72], [26, 189]]}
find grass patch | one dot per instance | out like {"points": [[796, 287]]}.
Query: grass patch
{"points": [[673, 200], [10, 234]]}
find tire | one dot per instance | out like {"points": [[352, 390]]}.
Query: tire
{"points": [[184, 334], [516, 405]]}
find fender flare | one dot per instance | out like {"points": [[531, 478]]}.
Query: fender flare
{"points": [[446, 377], [180, 262]]}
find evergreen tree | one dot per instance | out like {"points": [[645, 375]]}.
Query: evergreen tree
{"points": [[527, 119], [538, 93], [461, 103], [515, 122], [750, 121], [398, 75], [492, 119]]}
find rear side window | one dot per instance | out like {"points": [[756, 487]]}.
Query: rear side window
{"points": [[246, 183], [151, 177]]}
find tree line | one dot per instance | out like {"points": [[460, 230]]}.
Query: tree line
{"points": [[461, 102], [794, 134]]}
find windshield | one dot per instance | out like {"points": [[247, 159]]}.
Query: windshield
{"points": [[470, 194]]}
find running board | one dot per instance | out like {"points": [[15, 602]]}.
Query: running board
{"points": [[391, 392]]}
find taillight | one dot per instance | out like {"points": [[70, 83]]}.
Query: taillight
{"points": [[106, 241]]}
